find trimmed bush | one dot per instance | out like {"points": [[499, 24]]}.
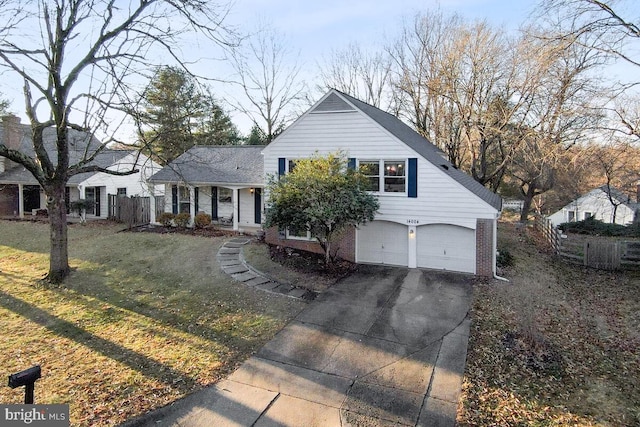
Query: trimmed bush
{"points": [[202, 220], [166, 219], [182, 220]]}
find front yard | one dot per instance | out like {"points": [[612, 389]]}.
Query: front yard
{"points": [[557, 346], [144, 319]]}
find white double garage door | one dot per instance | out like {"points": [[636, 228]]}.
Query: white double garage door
{"points": [[437, 246]]}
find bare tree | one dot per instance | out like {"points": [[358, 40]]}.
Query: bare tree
{"points": [[561, 115], [617, 163], [363, 75], [468, 88], [77, 59], [421, 57], [270, 83], [605, 26]]}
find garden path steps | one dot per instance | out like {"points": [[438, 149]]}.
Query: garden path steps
{"points": [[231, 259]]}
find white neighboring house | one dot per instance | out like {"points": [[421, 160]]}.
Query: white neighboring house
{"points": [[596, 204], [431, 214], [20, 193]]}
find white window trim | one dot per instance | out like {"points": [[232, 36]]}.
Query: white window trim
{"points": [[381, 176], [292, 237]]}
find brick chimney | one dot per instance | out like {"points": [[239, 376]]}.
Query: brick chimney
{"points": [[11, 137]]}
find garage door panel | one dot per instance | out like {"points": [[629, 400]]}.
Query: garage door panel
{"points": [[383, 242], [446, 247]]}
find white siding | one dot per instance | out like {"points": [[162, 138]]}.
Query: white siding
{"points": [[247, 206], [136, 184], [440, 199], [597, 203]]}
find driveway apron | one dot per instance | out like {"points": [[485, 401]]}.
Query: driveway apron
{"points": [[384, 347]]}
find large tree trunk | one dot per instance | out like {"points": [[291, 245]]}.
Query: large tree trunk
{"points": [[528, 199], [58, 255]]}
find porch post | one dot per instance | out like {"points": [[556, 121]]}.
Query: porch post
{"points": [[236, 206], [20, 200], [192, 204], [152, 204]]}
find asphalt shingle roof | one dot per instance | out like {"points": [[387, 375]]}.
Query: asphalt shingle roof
{"points": [[215, 164], [81, 145], [425, 148]]}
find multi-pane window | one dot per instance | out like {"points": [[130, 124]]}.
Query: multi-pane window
{"points": [[394, 176], [385, 176], [184, 199], [372, 171], [122, 192], [302, 233], [224, 195]]}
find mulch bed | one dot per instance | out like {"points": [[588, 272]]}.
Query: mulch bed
{"points": [[309, 262]]}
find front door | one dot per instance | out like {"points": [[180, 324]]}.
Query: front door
{"points": [[92, 196]]}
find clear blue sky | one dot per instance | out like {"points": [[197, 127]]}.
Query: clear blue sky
{"points": [[316, 28]]}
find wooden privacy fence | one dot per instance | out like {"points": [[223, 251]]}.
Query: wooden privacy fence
{"points": [[605, 253], [132, 211]]}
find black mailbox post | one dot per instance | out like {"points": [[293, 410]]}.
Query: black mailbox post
{"points": [[26, 378]]}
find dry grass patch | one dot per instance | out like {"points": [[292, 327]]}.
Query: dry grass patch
{"points": [[143, 320], [557, 346]]}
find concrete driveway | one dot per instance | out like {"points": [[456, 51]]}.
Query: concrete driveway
{"points": [[384, 347]]}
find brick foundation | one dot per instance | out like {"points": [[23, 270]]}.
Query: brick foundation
{"points": [[346, 245], [484, 247]]}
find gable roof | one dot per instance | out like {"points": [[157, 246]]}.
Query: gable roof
{"points": [[81, 145], [414, 140], [215, 164]]}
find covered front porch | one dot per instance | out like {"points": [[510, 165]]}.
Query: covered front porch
{"points": [[239, 207]]}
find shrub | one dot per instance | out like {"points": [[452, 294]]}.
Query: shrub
{"points": [[182, 220], [504, 258], [166, 219], [595, 227], [202, 220]]}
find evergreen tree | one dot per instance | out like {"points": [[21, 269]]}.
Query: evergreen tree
{"points": [[177, 115]]}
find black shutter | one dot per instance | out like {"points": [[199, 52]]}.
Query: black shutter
{"points": [[214, 203], [196, 192], [352, 163], [282, 163], [174, 199], [257, 197], [413, 178]]}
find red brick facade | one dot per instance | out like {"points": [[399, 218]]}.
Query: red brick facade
{"points": [[484, 247], [346, 245]]}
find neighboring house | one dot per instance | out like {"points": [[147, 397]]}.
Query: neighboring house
{"points": [[431, 214], [224, 181], [596, 203], [20, 193]]}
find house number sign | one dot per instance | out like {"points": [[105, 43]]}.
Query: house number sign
{"points": [[413, 221]]}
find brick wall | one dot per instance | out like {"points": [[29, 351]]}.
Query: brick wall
{"points": [[346, 244], [484, 247]]}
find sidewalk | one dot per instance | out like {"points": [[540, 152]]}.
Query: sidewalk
{"points": [[384, 347]]}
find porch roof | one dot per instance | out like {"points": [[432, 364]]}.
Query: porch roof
{"points": [[215, 164]]}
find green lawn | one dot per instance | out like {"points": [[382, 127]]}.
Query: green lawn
{"points": [[142, 320], [559, 345]]}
